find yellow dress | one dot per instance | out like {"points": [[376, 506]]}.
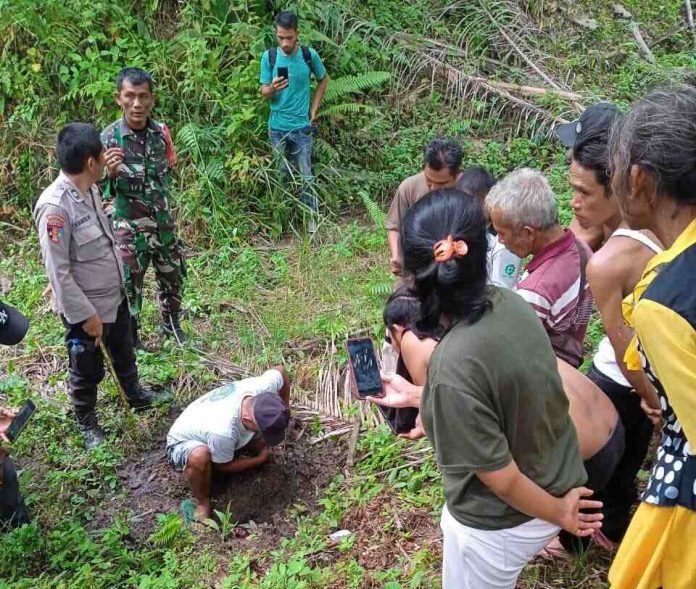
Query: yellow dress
{"points": [[659, 549]]}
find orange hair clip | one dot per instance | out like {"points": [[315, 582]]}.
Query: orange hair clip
{"points": [[445, 249]]}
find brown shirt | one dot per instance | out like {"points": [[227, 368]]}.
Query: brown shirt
{"points": [[410, 191]]}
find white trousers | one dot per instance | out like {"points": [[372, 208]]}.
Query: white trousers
{"points": [[489, 559]]}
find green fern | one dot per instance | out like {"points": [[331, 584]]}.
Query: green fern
{"points": [[352, 84], [375, 211], [169, 530], [381, 288], [187, 136], [325, 150], [349, 108]]}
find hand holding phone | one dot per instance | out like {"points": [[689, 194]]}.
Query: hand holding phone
{"points": [[283, 73], [6, 417], [20, 420], [364, 368]]}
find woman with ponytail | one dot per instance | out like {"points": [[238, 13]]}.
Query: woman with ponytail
{"points": [[493, 405]]}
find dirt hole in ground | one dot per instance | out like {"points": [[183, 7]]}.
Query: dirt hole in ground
{"points": [[297, 473]]}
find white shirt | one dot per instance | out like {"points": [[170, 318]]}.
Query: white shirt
{"points": [[215, 418], [503, 265]]}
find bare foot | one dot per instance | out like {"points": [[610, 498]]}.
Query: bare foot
{"points": [[202, 511], [554, 551]]}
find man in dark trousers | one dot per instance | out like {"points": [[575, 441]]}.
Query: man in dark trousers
{"points": [[13, 511], [86, 276], [139, 157], [285, 81]]}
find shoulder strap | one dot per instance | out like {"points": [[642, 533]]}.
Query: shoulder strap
{"points": [[272, 56], [307, 56], [583, 273], [638, 236]]}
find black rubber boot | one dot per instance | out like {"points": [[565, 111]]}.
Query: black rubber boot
{"points": [[91, 432], [172, 328], [141, 398]]}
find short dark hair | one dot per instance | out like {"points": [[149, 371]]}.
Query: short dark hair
{"points": [[476, 181], [135, 76], [593, 153], [456, 287], [77, 142], [443, 152], [286, 19], [404, 308]]}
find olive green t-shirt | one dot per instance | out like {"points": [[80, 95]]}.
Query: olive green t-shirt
{"points": [[494, 395]]}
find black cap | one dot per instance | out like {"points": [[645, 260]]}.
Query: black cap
{"points": [[272, 416], [596, 118], [13, 325]]}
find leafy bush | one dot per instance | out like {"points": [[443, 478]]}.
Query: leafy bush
{"points": [[59, 64]]}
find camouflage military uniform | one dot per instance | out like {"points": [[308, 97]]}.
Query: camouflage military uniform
{"points": [[143, 223]]}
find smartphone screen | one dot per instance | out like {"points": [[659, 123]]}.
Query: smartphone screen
{"points": [[365, 368], [283, 72], [18, 423]]}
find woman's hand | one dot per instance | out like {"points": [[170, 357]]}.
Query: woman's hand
{"points": [[654, 415], [572, 519], [399, 393]]}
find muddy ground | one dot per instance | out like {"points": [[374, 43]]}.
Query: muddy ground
{"points": [[259, 498]]}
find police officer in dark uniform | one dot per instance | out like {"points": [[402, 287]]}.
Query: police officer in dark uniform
{"points": [[86, 276]]}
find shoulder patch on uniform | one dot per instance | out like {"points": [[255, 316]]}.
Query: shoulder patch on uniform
{"points": [[54, 226]]}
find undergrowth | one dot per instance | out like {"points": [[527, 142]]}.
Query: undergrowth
{"points": [[258, 294]]}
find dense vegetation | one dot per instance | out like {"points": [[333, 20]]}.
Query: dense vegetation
{"points": [[492, 72]]}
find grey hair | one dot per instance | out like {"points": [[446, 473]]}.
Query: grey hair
{"points": [[658, 135], [524, 197]]}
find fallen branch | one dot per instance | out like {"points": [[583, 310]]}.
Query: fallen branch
{"points": [[642, 45], [528, 90], [519, 51], [333, 434], [690, 20], [456, 76]]}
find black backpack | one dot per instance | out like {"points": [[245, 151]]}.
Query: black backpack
{"points": [[306, 55]]}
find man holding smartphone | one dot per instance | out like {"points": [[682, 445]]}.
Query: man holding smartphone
{"points": [[285, 82], [13, 511]]}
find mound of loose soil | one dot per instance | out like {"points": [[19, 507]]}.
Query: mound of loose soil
{"points": [[296, 473]]}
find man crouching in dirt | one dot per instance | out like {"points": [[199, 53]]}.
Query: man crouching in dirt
{"points": [[251, 413]]}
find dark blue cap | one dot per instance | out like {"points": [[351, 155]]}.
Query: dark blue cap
{"points": [[272, 416]]}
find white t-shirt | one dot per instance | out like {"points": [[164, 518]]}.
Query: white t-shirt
{"points": [[214, 419], [503, 265]]}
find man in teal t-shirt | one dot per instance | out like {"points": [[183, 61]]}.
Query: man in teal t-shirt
{"points": [[285, 81]]}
